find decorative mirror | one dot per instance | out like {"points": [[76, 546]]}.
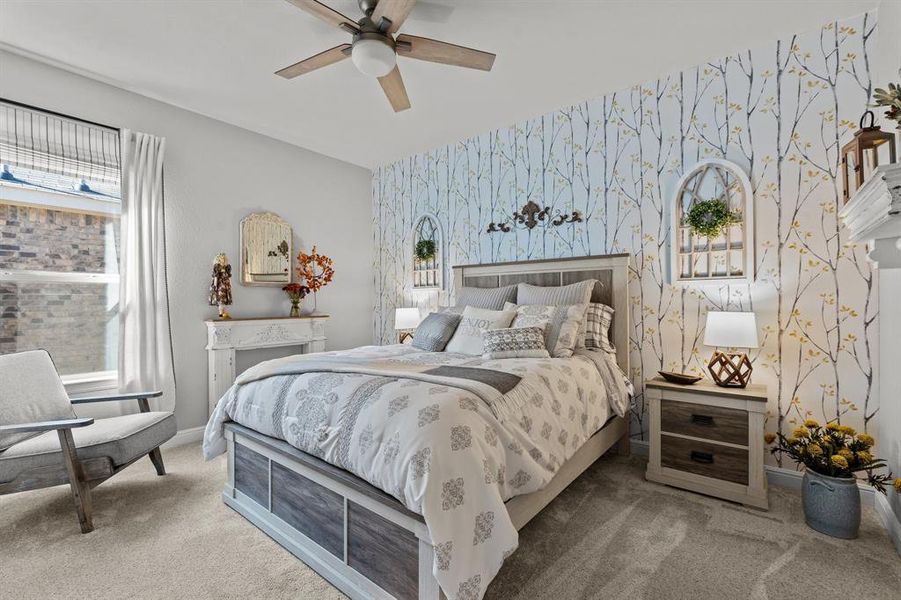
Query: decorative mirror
{"points": [[713, 225], [266, 250]]}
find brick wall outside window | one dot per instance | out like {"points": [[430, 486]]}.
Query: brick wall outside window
{"points": [[70, 320]]}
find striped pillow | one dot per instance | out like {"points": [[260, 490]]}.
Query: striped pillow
{"points": [[490, 298], [598, 318], [522, 342], [575, 293]]}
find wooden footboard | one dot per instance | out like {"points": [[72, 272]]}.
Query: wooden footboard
{"points": [[365, 542]]}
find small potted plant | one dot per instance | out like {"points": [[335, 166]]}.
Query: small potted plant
{"points": [[832, 455], [296, 292], [710, 218], [890, 99]]}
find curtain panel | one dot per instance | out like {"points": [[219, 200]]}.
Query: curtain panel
{"points": [[145, 341]]}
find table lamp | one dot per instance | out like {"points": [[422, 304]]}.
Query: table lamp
{"points": [[405, 320], [730, 330]]}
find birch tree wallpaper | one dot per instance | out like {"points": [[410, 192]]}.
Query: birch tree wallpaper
{"points": [[781, 112]]}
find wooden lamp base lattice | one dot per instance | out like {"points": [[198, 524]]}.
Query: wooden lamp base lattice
{"points": [[730, 369]]}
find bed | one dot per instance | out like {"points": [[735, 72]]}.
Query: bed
{"points": [[397, 473]]}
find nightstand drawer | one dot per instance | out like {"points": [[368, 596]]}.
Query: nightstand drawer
{"points": [[709, 422], [703, 458]]}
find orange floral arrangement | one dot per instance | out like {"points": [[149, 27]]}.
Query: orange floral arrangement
{"points": [[316, 269]]}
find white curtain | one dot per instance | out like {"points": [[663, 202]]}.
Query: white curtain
{"points": [[145, 343]]}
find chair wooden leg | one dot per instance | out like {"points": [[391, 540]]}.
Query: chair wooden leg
{"points": [[81, 492], [156, 457], [623, 446]]}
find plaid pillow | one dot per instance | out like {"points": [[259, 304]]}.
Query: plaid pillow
{"points": [[521, 342], [597, 327]]}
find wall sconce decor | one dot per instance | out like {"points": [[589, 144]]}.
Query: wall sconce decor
{"points": [[531, 215], [863, 154]]}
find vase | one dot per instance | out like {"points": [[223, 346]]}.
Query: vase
{"points": [[295, 308], [831, 504]]}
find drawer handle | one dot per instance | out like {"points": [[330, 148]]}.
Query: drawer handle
{"points": [[702, 457], [705, 420]]}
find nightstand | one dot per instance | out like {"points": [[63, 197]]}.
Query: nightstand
{"points": [[708, 439]]}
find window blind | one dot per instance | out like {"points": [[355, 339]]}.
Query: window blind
{"points": [[44, 141]]}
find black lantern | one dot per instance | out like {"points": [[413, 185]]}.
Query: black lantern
{"points": [[863, 154]]}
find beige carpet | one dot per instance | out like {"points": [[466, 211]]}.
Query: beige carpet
{"points": [[610, 535]]}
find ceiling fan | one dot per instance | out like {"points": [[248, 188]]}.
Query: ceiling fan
{"points": [[375, 46]]}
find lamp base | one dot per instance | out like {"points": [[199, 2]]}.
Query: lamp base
{"points": [[730, 369], [403, 336]]}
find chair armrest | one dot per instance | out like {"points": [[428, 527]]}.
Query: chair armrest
{"points": [[117, 397], [46, 425]]}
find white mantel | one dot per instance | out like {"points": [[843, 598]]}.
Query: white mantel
{"points": [[874, 215], [227, 336]]}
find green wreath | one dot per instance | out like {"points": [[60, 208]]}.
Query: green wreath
{"points": [[425, 250], [710, 218]]}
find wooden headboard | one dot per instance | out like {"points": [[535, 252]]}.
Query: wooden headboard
{"points": [[611, 272]]}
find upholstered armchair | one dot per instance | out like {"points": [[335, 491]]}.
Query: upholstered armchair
{"points": [[43, 443]]}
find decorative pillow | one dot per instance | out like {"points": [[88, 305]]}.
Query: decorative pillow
{"points": [[467, 339], [435, 331], [562, 324], [519, 342], [490, 298], [597, 327], [575, 293]]}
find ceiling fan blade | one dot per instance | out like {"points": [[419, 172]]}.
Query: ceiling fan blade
{"points": [[395, 11], [441, 52], [321, 11], [393, 86], [323, 59]]}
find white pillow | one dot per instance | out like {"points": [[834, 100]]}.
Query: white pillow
{"points": [[475, 321], [562, 324]]}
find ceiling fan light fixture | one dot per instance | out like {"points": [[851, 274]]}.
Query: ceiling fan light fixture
{"points": [[373, 57]]}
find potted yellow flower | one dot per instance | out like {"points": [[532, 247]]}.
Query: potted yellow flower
{"points": [[832, 455]]}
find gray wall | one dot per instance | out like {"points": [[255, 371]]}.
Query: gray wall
{"points": [[215, 174]]}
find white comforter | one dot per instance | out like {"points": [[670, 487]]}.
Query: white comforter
{"points": [[440, 450]]}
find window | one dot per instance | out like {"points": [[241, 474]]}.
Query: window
{"points": [[59, 241], [426, 254], [728, 257]]}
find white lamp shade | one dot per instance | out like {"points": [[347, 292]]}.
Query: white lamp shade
{"points": [[373, 58], [731, 330], [406, 318]]}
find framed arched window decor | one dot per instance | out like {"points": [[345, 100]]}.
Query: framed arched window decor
{"points": [[713, 225], [427, 253]]}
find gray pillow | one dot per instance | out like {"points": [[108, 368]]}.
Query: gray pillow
{"points": [[435, 331], [30, 392], [574, 293], [490, 298]]}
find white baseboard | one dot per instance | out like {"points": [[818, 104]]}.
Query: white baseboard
{"points": [[185, 436], [889, 520]]}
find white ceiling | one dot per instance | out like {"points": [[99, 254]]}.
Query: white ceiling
{"points": [[218, 58]]}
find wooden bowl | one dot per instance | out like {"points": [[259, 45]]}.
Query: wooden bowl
{"points": [[680, 378]]}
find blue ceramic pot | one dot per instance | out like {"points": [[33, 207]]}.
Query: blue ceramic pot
{"points": [[831, 504]]}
